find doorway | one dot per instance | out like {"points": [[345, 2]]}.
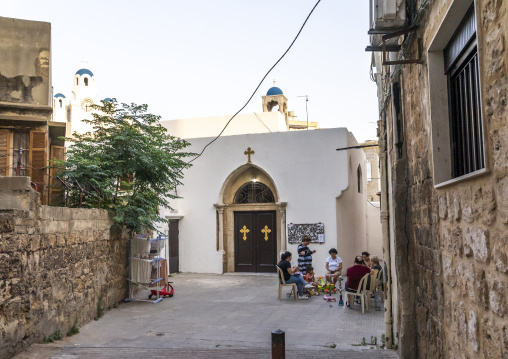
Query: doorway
{"points": [[255, 241], [173, 258]]}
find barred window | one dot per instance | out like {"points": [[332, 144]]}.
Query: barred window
{"points": [[466, 123]]}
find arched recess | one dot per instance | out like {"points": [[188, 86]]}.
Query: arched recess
{"points": [[226, 209]]}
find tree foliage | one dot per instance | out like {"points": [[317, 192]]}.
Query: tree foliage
{"points": [[130, 159]]}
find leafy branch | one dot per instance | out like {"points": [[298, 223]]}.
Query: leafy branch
{"points": [[131, 159]]}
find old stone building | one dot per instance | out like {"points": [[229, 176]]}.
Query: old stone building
{"points": [[443, 135], [371, 150], [28, 136]]}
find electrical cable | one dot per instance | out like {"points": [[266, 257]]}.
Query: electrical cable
{"points": [[260, 120], [264, 77]]}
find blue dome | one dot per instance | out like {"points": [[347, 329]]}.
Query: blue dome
{"points": [[60, 95], [274, 91], [107, 99], [83, 72]]}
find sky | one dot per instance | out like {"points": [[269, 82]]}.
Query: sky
{"points": [[199, 58]]}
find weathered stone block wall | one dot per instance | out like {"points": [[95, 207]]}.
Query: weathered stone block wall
{"points": [[55, 264], [458, 234], [374, 185]]}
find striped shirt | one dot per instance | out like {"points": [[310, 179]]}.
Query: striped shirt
{"points": [[305, 260]]}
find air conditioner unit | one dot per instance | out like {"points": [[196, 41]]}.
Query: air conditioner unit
{"points": [[387, 14]]}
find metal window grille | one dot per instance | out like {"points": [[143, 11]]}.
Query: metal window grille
{"points": [[466, 122], [254, 192]]}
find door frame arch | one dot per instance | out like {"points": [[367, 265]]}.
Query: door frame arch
{"points": [[225, 209]]}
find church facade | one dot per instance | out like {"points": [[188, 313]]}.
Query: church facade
{"points": [[257, 189], [244, 196]]}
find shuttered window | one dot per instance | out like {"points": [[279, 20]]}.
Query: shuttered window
{"points": [[4, 152], [37, 172]]}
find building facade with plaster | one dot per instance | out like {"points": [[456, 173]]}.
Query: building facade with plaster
{"points": [[259, 170], [29, 137]]}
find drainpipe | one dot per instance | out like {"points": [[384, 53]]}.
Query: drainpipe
{"points": [[383, 153]]}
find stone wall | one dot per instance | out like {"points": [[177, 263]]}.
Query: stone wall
{"points": [[374, 184], [56, 264], [451, 242]]}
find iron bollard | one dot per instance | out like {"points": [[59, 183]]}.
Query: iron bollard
{"points": [[278, 344]]}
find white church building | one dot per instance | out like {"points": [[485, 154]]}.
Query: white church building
{"points": [[78, 107], [257, 189]]}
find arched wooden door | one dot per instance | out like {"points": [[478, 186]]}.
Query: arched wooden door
{"points": [[255, 241]]}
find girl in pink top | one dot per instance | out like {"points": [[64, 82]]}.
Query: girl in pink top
{"points": [[309, 278]]}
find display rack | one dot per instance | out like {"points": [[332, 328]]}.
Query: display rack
{"points": [[147, 266]]}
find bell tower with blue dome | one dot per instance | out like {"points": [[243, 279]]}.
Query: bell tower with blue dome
{"points": [[275, 96], [84, 95], [83, 85]]}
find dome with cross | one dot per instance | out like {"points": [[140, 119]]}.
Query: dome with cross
{"points": [[274, 91]]}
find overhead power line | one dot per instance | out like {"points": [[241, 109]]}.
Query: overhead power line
{"points": [[264, 77]]}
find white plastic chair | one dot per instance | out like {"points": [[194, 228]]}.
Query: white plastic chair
{"points": [[282, 283], [360, 292]]}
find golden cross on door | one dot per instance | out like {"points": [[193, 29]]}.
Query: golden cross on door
{"points": [[266, 231], [244, 230], [248, 153]]}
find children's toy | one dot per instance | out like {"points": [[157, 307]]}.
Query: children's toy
{"points": [[325, 287], [329, 298], [166, 291], [321, 284], [309, 289], [330, 288]]}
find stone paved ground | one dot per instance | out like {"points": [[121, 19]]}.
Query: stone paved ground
{"points": [[222, 316]]}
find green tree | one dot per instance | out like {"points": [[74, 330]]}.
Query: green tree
{"points": [[130, 159]]}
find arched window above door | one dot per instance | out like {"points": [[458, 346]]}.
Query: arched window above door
{"points": [[254, 192]]}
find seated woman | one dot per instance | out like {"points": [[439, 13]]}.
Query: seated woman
{"points": [[291, 275], [333, 266], [375, 263]]}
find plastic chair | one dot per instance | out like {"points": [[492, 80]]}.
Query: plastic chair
{"points": [[370, 287], [379, 282], [282, 283], [379, 288], [358, 293]]}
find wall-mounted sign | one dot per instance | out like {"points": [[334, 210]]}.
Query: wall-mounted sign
{"points": [[316, 232]]}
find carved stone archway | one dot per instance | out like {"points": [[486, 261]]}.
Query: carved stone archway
{"points": [[226, 209]]}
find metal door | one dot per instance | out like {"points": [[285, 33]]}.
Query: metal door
{"points": [[255, 246]]}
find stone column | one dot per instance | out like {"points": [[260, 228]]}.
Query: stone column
{"points": [[282, 212], [220, 234]]}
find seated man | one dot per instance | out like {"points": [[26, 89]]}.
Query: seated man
{"points": [[291, 275], [355, 274]]}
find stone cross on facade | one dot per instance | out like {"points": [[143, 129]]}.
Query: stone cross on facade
{"points": [[266, 231], [248, 153], [244, 231]]}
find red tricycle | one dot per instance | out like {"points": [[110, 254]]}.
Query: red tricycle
{"points": [[166, 291]]}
